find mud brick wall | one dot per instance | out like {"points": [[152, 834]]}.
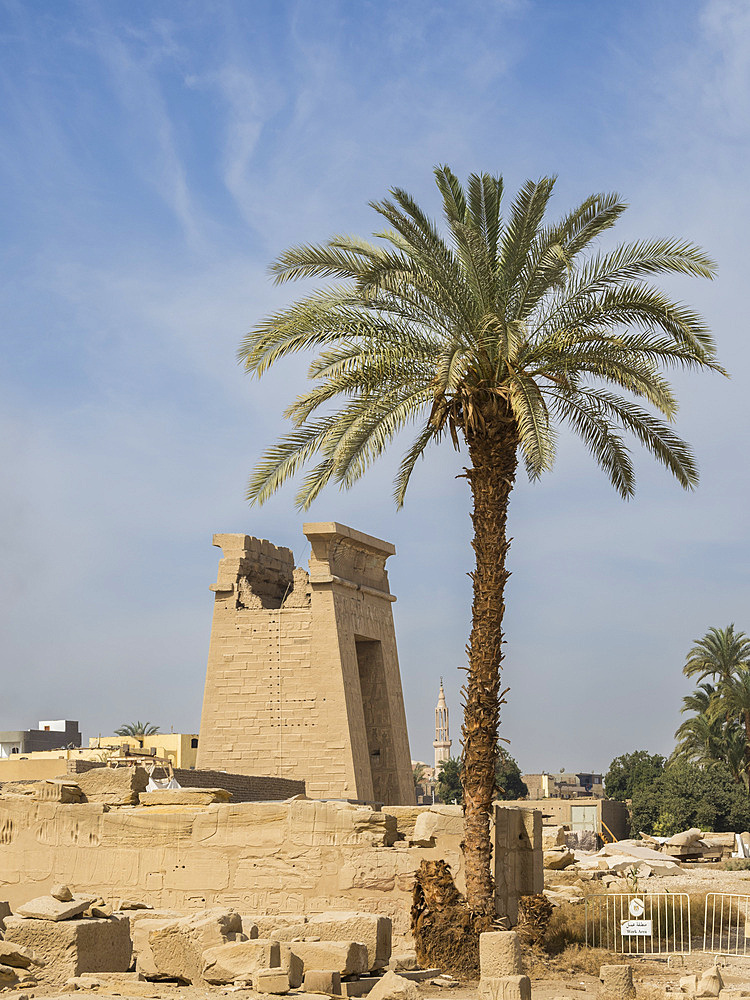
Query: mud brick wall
{"points": [[244, 787]]}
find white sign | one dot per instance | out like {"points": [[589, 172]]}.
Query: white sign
{"points": [[636, 908], [635, 928]]}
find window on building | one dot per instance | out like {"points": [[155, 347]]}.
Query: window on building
{"points": [[193, 744]]}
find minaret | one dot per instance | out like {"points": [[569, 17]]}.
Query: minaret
{"points": [[442, 743]]}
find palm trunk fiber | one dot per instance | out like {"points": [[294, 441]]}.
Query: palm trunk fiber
{"points": [[491, 478]]}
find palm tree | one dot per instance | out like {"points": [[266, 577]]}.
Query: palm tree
{"points": [[718, 654], [137, 729], [490, 338], [722, 719]]}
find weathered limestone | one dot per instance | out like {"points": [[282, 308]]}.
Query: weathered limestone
{"points": [[58, 790], [689, 985], [62, 893], [348, 957], [270, 981], [557, 858], [404, 961], [292, 965], [184, 797], [517, 857], [616, 982], [394, 987], [240, 960], [301, 858], [323, 981], [710, 983], [303, 678], [438, 821], [175, 950], [50, 908], [115, 786], [372, 930], [72, 947], [499, 954], [18, 956], [505, 988]]}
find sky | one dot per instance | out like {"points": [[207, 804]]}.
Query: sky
{"points": [[156, 156]]}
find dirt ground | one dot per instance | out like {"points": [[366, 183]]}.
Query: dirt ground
{"points": [[551, 978]]}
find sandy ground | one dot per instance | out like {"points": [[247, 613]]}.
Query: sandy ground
{"points": [[655, 978]]}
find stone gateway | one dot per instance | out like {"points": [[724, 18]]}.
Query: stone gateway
{"points": [[303, 678]]}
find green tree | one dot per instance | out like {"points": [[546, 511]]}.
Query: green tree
{"points": [[717, 729], [449, 781], [137, 729], [418, 771], [631, 771], [686, 794], [508, 780], [489, 336]]}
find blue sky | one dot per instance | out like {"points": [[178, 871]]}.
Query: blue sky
{"points": [[154, 157]]}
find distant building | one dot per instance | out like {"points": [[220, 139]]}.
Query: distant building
{"points": [[442, 743], [180, 748], [565, 785], [59, 734]]}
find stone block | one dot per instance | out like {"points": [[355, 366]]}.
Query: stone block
{"points": [[505, 988], [292, 964], [173, 949], [616, 982], [557, 858], [689, 985], [5, 911], [117, 786], [240, 960], [394, 987], [439, 821], [403, 961], [61, 892], [499, 954], [323, 981], [73, 947], [49, 908], [348, 957], [270, 981], [371, 929], [710, 983], [184, 797], [18, 956], [56, 790]]}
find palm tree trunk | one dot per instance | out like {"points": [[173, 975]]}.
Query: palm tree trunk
{"points": [[491, 478]]}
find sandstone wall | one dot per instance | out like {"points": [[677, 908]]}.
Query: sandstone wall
{"points": [[298, 857], [303, 678]]}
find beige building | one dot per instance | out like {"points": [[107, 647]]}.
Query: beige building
{"points": [[303, 678], [180, 748], [564, 785], [38, 765], [607, 818]]}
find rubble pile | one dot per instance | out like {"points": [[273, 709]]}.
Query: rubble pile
{"points": [[624, 864], [75, 940]]}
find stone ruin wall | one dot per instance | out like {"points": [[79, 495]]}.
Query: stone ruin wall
{"points": [[300, 857], [303, 678]]}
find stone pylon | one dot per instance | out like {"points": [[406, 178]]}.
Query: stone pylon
{"points": [[303, 678]]}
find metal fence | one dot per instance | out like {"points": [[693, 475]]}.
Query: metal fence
{"points": [[726, 923], [656, 923]]}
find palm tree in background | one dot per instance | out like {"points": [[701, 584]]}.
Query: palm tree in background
{"points": [[137, 730], [719, 727], [489, 335], [718, 654]]}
